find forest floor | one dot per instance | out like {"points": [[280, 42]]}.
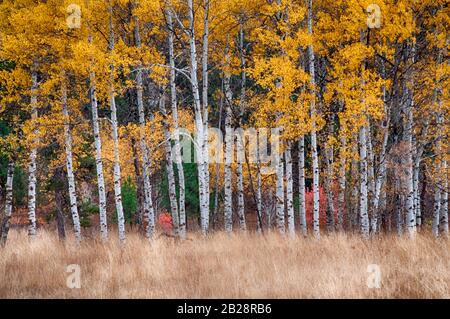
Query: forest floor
{"points": [[222, 266]]}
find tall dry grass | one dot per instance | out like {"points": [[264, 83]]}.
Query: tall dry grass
{"points": [[236, 266]]}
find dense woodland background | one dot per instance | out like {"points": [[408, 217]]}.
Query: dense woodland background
{"points": [[92, 94]]}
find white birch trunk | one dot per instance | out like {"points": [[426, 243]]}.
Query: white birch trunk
{"points": [[329, 183], [342, 183], [69, 163], [371, 176], [417, 205], [280, 193], [199, 124], [363, 200], [8, 203], [380, 179], [289, 191], [379, 194], [149, 214], [205, 145], [436, 211], [408, 169], [315, 157], [301, 185], [115, 137], [176, 135], [228, 156], [98, 161], [241, 145], [32, 160], [169, 168], [98, 155], [354, 200], [258, 185], [240, 148], [444, 202], [408, 160]]}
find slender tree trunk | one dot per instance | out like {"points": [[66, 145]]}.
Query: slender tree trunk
{"points": [[199, 123], [363, 200], [240, 148], [416, 186], [8, 204], [408, 159], [353, 209], [98, 155], [436, 211], [169, 168], [380, 179], [215, 211], [69, 163], [32, 160], [149, 213], [176, 135], [444, 202], [408, 167], [315, 157], [205, 145], [258, 184], [289, 191], [228, 156], [370, 175], [59, 205], [301, 186], [440, 221], [280, 193], [342, 182], [115, 137], [399, 208], [329, 158], [241, 144]]}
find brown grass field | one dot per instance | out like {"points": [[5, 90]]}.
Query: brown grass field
{"points": [[223, 266]]}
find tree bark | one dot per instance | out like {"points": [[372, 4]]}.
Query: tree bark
{"points": [[280, 193], [241, 144], [69, 163], [258, 185], [408, 167], [176, 135], [32, 160], [240, 148], [169, 168], [436, 211], [301, 186], [205, 145], [315, 157], [289, 191], [380, 178], [228, 156], [354, 199], [444, 203], [363, 200], [201, 135], [59, 205], [8, 204], [115, 137], [329, 158], [98, 155], [342, 182], [149, 214]]}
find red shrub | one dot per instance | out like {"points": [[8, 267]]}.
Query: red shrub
{"points": [[309, 202], [165, 222]]}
